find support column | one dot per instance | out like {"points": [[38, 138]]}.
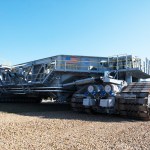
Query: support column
{"points": [[128, 78]]}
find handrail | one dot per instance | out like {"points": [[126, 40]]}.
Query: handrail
{"points": [[120, 64]]}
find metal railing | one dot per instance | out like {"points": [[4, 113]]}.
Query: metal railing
{"points": [[116, 63], [129, 62], [80, 65]]}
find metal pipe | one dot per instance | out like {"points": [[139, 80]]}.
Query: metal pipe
{"points": [[35, 88], [80, 82], [40, 91]]}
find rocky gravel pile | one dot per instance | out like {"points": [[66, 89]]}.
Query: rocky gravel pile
{"points": [[66, 130]]}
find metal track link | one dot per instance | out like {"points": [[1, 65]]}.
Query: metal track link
{"points": [[76, 104], [136, 108]]}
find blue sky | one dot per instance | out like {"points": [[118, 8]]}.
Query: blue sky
{"points": [[33, 29]]}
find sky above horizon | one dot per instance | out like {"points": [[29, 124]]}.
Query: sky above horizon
{"points": [[34, 29]]}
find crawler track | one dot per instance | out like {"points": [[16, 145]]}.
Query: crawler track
{"points": [[134, 101]]}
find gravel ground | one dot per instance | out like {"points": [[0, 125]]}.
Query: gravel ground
{"points": [[66, 130]]}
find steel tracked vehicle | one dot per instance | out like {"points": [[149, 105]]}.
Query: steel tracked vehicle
{"points": [[109, 85]]}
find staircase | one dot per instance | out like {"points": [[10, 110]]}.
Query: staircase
{"points": [[49, 77]]}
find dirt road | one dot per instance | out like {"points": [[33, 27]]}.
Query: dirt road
{"points": [[52, 127]]}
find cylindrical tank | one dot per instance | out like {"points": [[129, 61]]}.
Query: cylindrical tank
{"points": [[111, 88]]}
